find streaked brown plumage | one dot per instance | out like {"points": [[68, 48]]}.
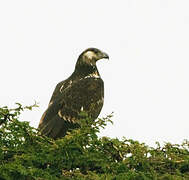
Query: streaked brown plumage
{"points": [[82, 91]]}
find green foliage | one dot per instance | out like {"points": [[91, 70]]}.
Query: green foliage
{"points": [[26, 154]]}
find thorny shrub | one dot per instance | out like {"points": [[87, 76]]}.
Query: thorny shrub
{"points": [[26, 154]]}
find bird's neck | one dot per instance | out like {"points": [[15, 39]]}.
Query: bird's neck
{"points": [[85, 70]]}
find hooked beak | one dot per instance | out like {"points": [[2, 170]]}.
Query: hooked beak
{"points": [[105, 55]]}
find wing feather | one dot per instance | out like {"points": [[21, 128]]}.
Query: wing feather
{"points": [[65, 106]]}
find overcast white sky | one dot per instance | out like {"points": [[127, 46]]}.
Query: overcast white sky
{"points": [[147, 76]]}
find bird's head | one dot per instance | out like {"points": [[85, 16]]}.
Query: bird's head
{"points": [[90, 56]]}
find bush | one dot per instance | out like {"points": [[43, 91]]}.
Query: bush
{"points": [[26, 154]]}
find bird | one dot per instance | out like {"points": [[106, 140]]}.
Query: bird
{"points": [[82, 91]]}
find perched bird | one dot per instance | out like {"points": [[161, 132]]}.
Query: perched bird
{"points": [[82, 91]]}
